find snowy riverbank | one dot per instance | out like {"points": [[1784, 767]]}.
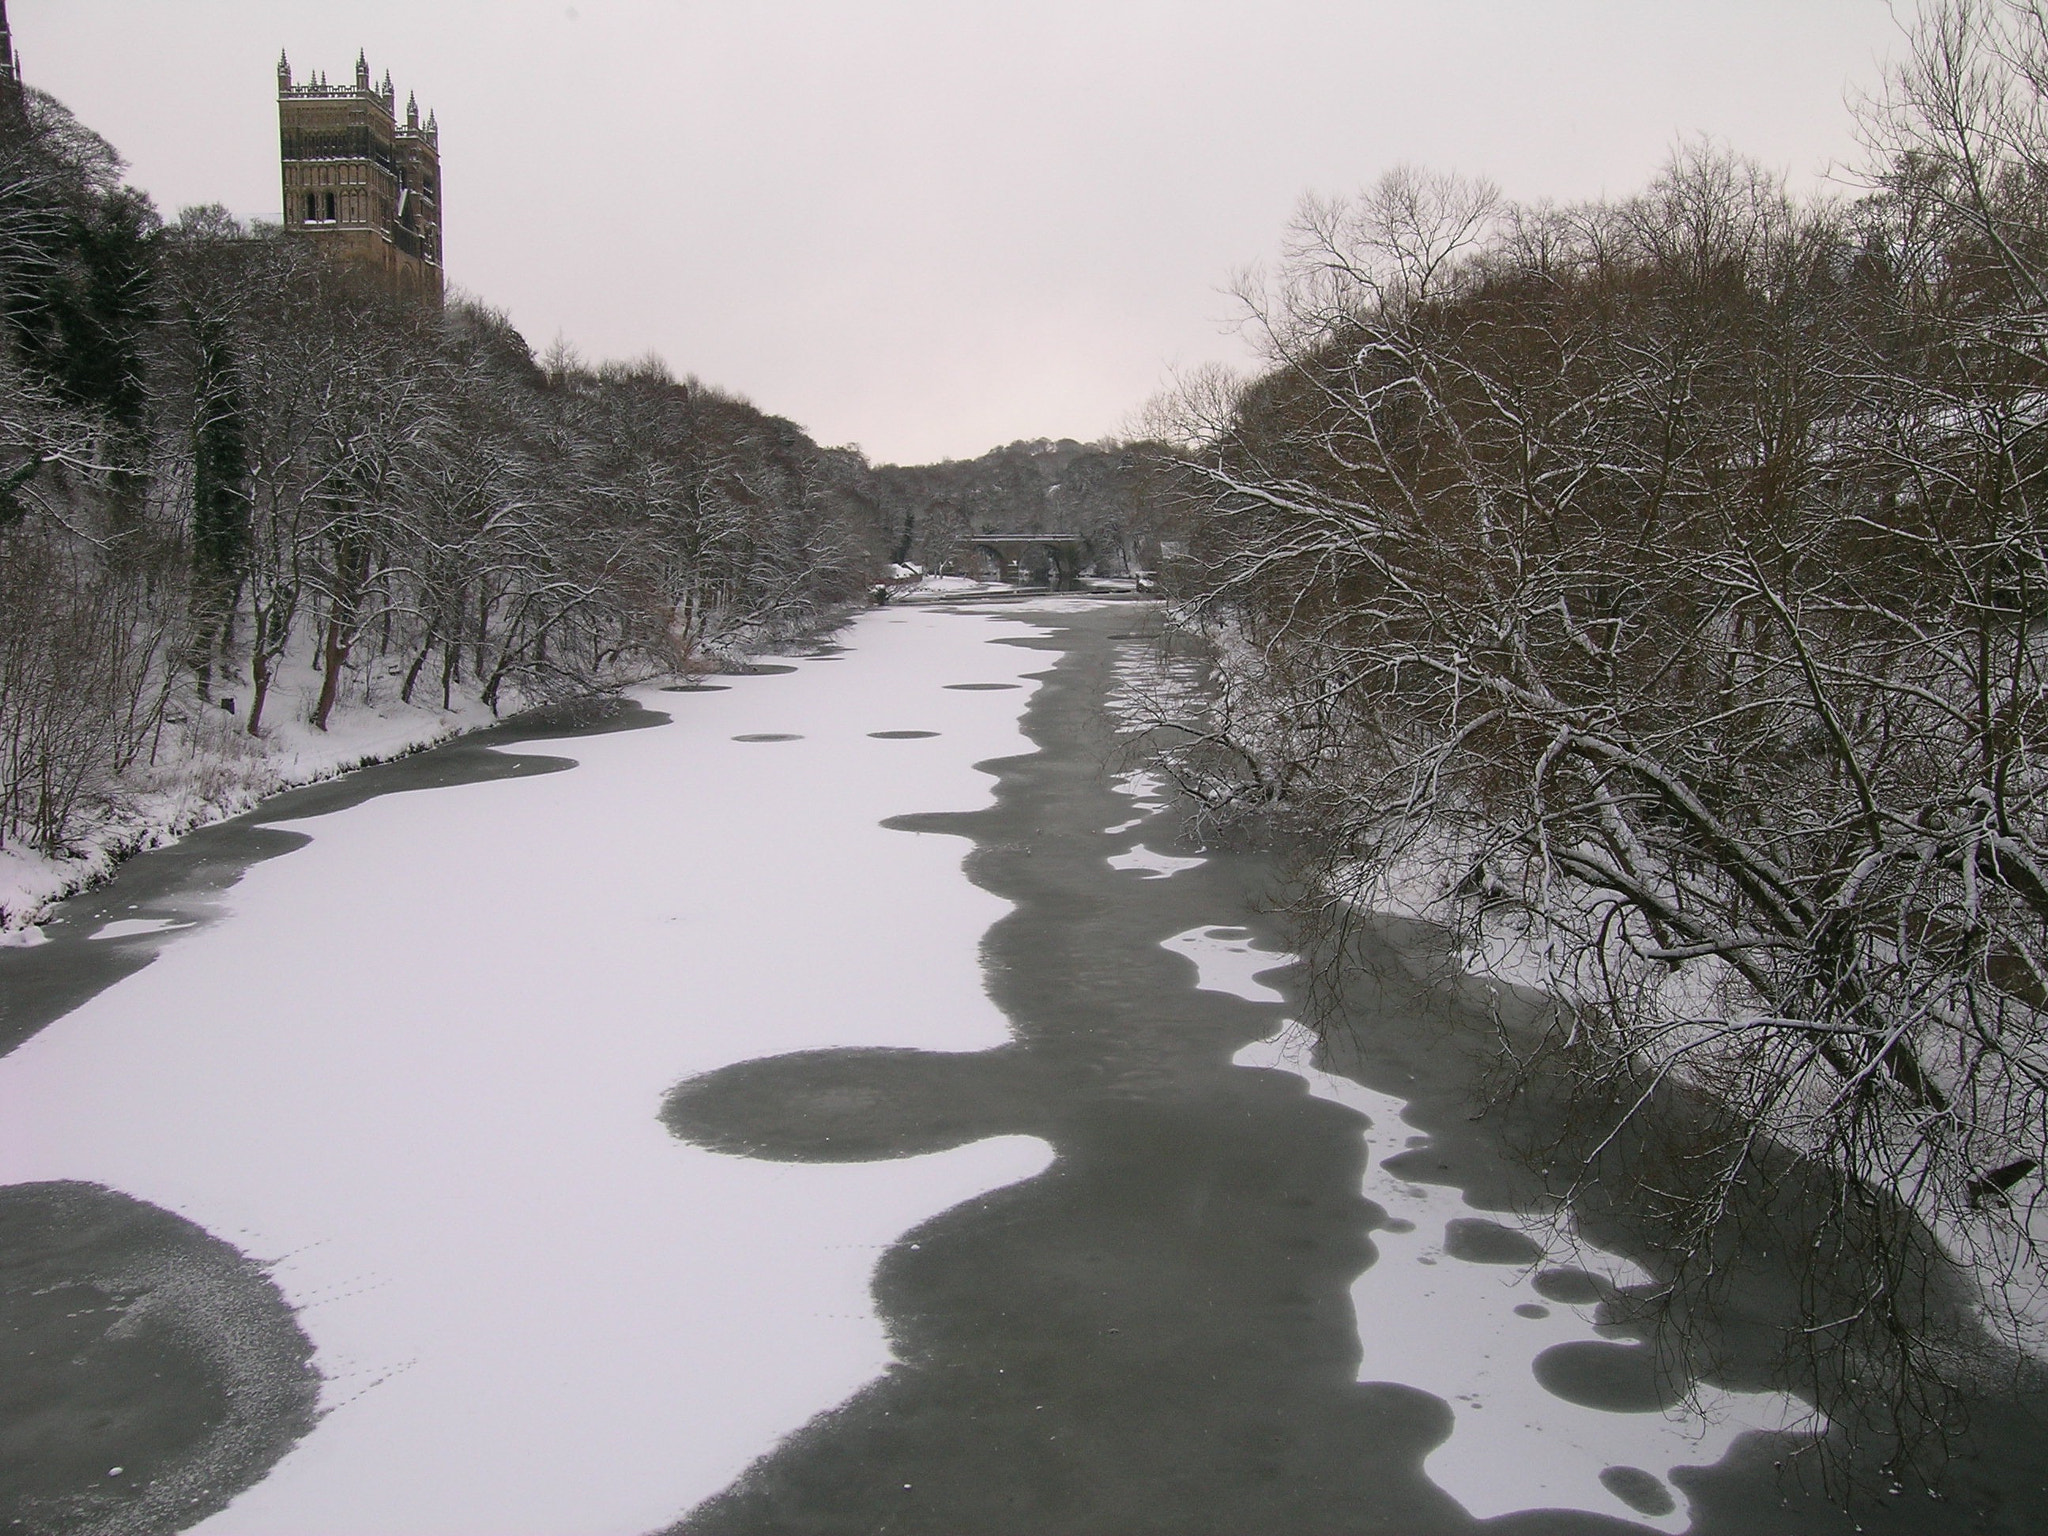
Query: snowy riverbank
{"points": [[206, 767]]}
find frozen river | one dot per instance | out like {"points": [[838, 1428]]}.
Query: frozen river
{"points": [[844, 1103]]}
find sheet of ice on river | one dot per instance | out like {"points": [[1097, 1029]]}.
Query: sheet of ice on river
{"points": [[1152, 865], [131, 927], [1226, 960], [1057, 605], [419, 1065], [1147, 792], [1450, 1327]]}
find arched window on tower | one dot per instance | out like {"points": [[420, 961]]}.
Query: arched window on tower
{"points": [[312, 207], [330, 207]]}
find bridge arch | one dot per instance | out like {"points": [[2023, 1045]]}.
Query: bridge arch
{"points": [[1065, 554]]}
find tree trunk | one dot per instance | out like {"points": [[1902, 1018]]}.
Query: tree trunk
{"points": [[412, 675], [334, 651], [259, 672]]}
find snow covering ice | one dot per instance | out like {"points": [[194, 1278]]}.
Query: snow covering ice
{"points": [[1147, 789], [1060, 605], [417, 1068], [1151, 865], [132, 927], [1226, 960], [937, 588]]}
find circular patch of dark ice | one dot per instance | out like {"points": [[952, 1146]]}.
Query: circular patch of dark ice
{"points": [[841, 1105], [149, 1372], [1612, 1378], [1641, 1491], [1530, 1309], [981, 687], [1488, 1242], [768, 736], [902, 735], [1570, 1287], [757, 669]]}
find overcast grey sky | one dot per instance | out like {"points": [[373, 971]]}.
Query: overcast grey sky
{"points": [[933, 226]]}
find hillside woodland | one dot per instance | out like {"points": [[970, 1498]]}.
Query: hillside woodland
{"points": [[221, 457]]}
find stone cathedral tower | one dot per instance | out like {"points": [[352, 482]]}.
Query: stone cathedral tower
{"points": [[364, 185]]}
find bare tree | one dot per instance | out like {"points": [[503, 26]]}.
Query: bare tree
{"points": [[1661, 582]]}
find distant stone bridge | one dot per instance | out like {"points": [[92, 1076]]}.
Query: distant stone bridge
{"points": [[1065, 554]]}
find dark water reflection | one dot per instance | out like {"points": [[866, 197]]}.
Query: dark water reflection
{"points": [[149, 1372], [1765, 1300]]}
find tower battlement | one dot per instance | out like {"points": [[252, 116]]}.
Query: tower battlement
{"points": [[361, 181]]}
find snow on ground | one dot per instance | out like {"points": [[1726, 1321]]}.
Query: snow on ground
{"points": [[417, 1070], [1991, 1249], [1515, 1446]]}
